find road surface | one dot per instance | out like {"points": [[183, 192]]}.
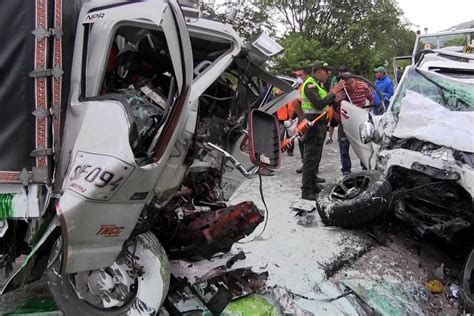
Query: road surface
{"points": [[313, 261]]}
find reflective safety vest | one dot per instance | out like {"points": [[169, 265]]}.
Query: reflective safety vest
{"points": [[306, 104]]}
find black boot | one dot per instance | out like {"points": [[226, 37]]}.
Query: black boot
{"points": [[319, 180], [309, 195]]}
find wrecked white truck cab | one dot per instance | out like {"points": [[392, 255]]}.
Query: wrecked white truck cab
{"points": [[163, 122]]}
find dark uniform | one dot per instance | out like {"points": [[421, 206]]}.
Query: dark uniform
{"points": [[315, 100]]}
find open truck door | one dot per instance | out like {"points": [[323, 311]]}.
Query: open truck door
{"points": [[115, 146], [353, 120], [359, 126]]}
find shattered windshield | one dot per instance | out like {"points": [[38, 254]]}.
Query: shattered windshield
{"points": [[455, 95]]}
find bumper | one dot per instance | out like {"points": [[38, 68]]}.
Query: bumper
{"points": [[437, 164]]}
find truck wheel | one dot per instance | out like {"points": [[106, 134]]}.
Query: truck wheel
{"points": [[354, 200], [136, 284]]}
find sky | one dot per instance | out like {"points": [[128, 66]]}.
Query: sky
{"points": [[437, 15]]}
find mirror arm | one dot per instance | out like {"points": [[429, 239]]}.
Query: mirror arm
{"points": [[238, 165]]}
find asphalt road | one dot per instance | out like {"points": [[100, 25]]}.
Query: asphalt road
{"points": [[315, 260]]}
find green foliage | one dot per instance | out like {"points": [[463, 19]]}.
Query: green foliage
{"points": [[358, 33], [252, 19], [361, 34]]}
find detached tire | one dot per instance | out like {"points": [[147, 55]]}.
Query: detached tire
{"points": [[354, 200]]}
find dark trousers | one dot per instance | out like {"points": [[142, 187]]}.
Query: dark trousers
{"points": [[344, 146], [301, 146], [313, 150]]}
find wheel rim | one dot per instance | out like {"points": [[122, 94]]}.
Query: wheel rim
{"points": [[350, 187], [108, 288]]}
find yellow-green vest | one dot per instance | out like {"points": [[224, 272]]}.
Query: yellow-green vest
{"points": [[306, 104]]}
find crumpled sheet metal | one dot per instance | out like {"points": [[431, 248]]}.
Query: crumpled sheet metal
{"points": [[426, 120]]}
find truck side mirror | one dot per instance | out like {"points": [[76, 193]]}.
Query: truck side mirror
{"points": [[264, 140]]}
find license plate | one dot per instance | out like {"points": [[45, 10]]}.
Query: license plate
{"points": [[97, 177]]}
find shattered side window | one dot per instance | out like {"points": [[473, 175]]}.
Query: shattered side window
{"points": [[453, 94]]}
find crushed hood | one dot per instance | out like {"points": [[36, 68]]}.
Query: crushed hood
{"points": [[426, 120]]}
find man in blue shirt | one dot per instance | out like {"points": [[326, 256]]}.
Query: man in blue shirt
{"points": [[385, 85]]}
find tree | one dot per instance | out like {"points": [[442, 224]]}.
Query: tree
{"points": [[252, 17], [358, 33]]}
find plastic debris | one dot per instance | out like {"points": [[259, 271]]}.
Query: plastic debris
{"points": [[435, 286], [453, 291], [250, 305]]}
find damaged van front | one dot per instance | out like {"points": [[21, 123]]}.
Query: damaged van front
{"points": [[422, 147], [427, 150]]}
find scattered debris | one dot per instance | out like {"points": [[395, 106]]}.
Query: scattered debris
{"points": [[289, 307], [435, 286], [239, 282], [216, 290], [234, 259], [308, 221], [302, 207], [453, 291]]}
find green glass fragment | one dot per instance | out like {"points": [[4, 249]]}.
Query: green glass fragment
{"points": [[6, 206], [254, 305]]}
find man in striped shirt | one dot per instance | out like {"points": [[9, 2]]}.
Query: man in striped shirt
{"points": [[360, 95]]}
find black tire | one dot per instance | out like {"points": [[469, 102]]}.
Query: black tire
{"points": [[467, 285], [153, 283], [369, 200]]}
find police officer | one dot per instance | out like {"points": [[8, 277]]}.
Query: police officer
{"points": [[315, 99]]}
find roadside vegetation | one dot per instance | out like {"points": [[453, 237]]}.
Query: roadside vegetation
{"points": [[358, 33]]}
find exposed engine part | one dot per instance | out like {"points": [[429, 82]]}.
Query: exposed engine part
{"points": [[189, 233], [432, 206], [234, 161]]}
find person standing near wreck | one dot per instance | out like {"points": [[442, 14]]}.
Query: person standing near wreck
{"points": [[301, 74], [385, 85], [315, 100], [359, 94], [333, 123]]}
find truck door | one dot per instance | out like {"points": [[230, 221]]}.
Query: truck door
{"points": [[131, 78], [354, 118]]}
